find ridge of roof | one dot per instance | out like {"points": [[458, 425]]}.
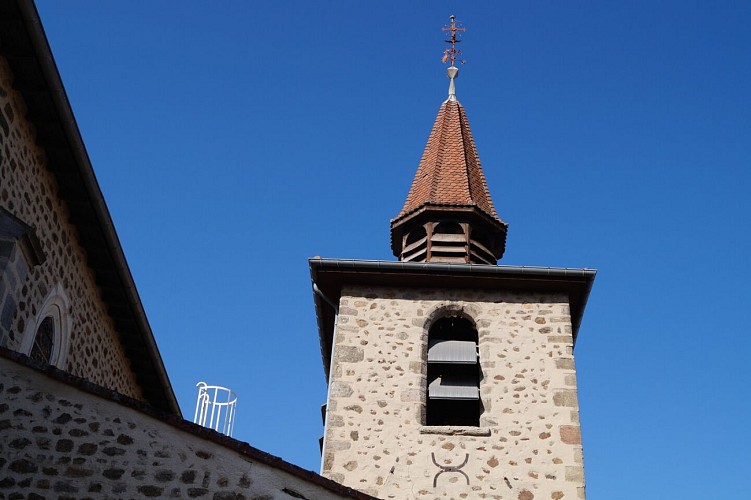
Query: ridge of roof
{"points": [[450, 172]]}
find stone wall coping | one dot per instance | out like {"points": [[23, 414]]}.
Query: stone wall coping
{"points": [[240, 447]]}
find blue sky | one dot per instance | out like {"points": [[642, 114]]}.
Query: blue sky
{"points": [[234, 140]]}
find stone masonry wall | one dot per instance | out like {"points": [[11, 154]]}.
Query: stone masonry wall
{"points": [[528, 444], [58, 441], [29, 191]]}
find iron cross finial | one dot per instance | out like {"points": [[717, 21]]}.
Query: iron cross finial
{"points": [[450, 53]]}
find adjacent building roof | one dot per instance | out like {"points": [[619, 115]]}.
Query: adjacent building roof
{"points": [[24, 45], [449, 173], [243, 449]]}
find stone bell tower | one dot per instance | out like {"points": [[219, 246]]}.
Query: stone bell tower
{"points": [[450, 376]]}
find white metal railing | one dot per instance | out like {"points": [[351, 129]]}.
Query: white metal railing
{"points": [[215, 408]]}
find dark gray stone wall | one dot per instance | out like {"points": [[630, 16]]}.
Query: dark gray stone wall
{"points": [[57, 441]]}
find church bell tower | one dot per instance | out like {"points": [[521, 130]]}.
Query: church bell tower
{"points": [[450, 376]]}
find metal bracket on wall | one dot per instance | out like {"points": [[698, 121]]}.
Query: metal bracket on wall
{"points": [[450, 468]]}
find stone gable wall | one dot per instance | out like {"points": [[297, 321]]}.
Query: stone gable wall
{"points": [[29, 191], [528, 444], [57, 441]]}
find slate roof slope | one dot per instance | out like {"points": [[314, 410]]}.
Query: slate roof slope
{"points": [[449, 173]]}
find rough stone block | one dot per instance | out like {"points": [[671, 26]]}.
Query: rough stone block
{"points": [[335, 421], [87, 449], [113, 473], [349, 354], [575, 474], [565, 398], [150, 491], [341, 389], [560, 339], [413, 395], [565, 363], [570, 434]]}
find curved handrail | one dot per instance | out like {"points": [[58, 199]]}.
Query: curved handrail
{"points": [[215, 408]]}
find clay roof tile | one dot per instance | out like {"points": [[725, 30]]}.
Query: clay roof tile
{"points": [[450, 172]]}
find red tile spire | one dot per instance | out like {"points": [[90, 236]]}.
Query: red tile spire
{"points": [[448, 215], [450, 172]]}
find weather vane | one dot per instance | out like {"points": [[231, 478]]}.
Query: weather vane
{"points": [[450, 53]]}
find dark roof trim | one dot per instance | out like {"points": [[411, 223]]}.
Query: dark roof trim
{"points": [[100, 239], [320, 264], [179, 423], [330, 275]]}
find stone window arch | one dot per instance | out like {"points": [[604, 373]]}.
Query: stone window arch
{"points": [[453, 388], [47, 337]]}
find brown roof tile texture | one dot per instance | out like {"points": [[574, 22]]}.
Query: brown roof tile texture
{"points": [[449, 172]]}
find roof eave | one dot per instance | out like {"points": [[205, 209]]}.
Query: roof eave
{"points": [[453, 210], [331, 274]]}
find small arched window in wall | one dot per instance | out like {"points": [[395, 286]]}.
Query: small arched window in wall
{"points": [[46, 338], [453, 373]]}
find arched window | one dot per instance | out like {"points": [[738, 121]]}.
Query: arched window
{"points": [[44, 341], [46, 338], [453, 373]]}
